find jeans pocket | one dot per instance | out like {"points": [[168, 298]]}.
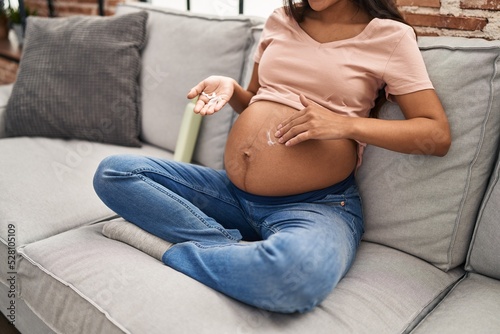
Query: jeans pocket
{"points": [[333, 201]]}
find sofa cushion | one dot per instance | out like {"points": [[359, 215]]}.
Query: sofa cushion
{"points": [[46, 186], [472, 307], [95, 283], [25, 319], [427, 205], [210, 45], [484, 253], [247, 72], [79, 78]]}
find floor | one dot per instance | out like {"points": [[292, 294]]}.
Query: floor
{"points": [[6, 327]]}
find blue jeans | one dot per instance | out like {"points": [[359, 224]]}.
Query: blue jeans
{"points": [[300, 250]]}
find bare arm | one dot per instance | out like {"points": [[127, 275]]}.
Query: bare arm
{"points": [[425, 130], [241, 97], [227, 89]]}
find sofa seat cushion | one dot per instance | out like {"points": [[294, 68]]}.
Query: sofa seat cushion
{"points": [[484, 253], [81, 282], [205, 45], [46, 187], [473, 306], [426, 205], [25, 319]]}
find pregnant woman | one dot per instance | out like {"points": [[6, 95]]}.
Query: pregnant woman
{"points": [[279, 227]]}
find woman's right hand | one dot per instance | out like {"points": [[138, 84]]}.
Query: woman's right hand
{"points": [[213, 94]]}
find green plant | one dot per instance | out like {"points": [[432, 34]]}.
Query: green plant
{"points": [[14, 15]]}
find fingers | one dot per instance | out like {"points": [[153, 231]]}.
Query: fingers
{"points": [[209, 104], [290, 134], [196, 90], [295, 136], [192, 93], [199, 106], [293, 130], [303, 99], [206, 104], [209, 98]]}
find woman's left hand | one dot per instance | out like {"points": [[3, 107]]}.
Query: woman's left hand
{"points": [[312, 122]]}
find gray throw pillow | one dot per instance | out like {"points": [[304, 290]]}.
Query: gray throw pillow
{"points": [[79, 78]]}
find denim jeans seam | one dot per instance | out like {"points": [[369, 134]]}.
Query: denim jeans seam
{"points": [[198, 244], [268, 227], [187, 185], [153, 184]]}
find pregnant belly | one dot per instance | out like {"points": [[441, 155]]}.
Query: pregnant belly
{"points": [[256, 163]]}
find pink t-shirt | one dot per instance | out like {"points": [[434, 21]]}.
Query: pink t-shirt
{"points": [[343, 76]]}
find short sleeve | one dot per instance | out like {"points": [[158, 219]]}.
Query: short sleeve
{"points": [[405, 71], [260, 48]]}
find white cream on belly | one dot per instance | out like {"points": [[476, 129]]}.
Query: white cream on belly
{"points": [[270, 142]]}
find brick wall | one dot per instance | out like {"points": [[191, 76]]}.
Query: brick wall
{"points": [[8, 71], [467, 18], [72, 7]]}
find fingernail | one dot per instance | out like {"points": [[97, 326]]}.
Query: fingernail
{"points": [[277, 134], [279, 126]]}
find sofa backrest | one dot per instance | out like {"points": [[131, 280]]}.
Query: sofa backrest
{"points": [[426, 205], [484, 253], [209, 150], [249, 62], [182, 49], [422, 205]]}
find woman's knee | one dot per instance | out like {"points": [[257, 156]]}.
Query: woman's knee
{"points": [[298, 294], [302, 281], [111, 167]]}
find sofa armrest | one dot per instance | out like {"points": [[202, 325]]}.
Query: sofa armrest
{"points": [[5, 91], [188, 134]]}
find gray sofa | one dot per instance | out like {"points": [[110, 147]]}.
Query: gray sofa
{"points": [[429, 261]]}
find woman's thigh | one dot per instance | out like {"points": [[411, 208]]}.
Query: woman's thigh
{"points": [[204, 189], [307, 249], [326, 233]]}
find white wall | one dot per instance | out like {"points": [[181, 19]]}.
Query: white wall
{"points": [[261, 7], [224, 7], [175, 4]]}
